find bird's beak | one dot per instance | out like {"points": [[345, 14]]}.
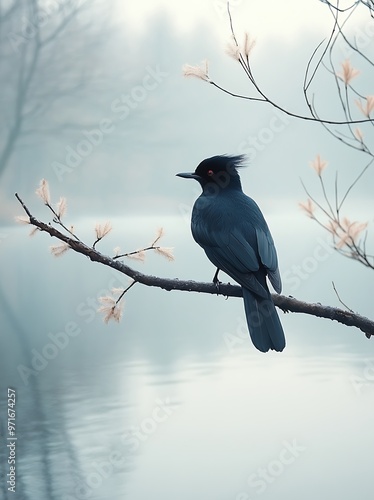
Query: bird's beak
{"points": [[188, 175]]}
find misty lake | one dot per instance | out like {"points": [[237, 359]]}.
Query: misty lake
{"points": [[173, 402]]}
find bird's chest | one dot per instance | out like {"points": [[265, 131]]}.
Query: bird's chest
{"points": [[210, 218], [207, 211]]}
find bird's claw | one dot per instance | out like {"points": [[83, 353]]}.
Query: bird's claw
{"points": [[216, 281], [217, 285]]}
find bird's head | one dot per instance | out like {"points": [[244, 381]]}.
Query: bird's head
{"points": [[218, 171]]}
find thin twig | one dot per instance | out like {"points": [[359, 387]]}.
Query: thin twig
{"points": [[340, 300], [264, 98], [355, 182], [128, 254], [246, 67], [306, 86], [57, 220], [126, 290]]}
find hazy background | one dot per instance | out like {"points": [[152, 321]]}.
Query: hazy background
{"points": [[174, 402]]}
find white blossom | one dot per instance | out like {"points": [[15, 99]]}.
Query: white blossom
{"points": [[43, 192]]}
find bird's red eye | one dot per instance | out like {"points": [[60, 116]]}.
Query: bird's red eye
{"points": [[210, 173]]}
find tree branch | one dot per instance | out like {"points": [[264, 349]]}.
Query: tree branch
{"points": [[307, 82], [287, 304]]}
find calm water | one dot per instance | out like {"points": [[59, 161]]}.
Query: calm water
{"points": [[227, 428], [162, 406]]}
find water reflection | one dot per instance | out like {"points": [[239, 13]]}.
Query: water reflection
{"points": [[207, 430], [161, 407]]}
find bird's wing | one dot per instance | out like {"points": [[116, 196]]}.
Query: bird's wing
{"points": [[240, 252], [268, 256], [241, 246], [241, 274], [229, 250]]}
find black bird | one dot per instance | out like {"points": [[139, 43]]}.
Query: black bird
{"points": [[231, 229]]}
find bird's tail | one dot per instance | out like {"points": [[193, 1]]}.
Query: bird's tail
{"points": [[263, 322]]}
